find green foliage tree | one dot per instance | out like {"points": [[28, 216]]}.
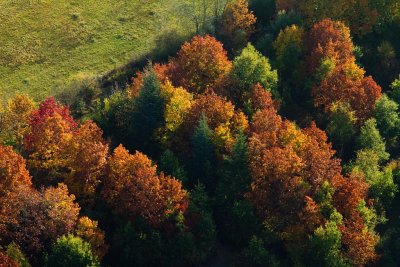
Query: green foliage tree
{"points": [[341, 126], [324, 245], [389, 246], [388, 121], [251, 67], [256, 255], [191, 242], [170, 165], [112, 116], [370, 138], [14, 252], [395, 91], [235, 171], [71, 251], [288, 47], [136, 245], [382, 186], [263, 10], [202, 223]]}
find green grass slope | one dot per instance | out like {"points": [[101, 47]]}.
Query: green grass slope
{"points": [[45, 44]]}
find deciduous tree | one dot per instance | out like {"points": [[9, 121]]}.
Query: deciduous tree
{"points": [[13, 172], [250, 68], [86, 159], [289, 45], [387, 120], [71, 251], [370, 138], [289, 167], [199, 64], [89, 231], [222, 118], [342, 80], [132, 187], [14, 120], [33, 219], [236, 24]]}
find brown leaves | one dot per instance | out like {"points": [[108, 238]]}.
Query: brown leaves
{"points": [[329, 39], [238, 17], [358, 241], [35, 219]]}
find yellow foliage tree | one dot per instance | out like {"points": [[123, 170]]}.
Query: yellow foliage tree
{"points": [[14, 120]]}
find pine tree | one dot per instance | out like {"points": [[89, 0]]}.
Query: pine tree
{"points": [[235, 172], [234, 214], [169, 164], [148, 115], [203, 158]]}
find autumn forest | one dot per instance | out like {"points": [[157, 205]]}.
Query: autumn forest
{"points": [[269, 137]]}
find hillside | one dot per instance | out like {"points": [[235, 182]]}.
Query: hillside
{"points": [[199, 133], [47, 43]]}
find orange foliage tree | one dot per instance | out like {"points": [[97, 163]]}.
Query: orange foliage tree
{"points": [[86, 159], [133, 187], [289, 169], [137, 81], [89, 231], [61, 150], [338, 78], [237, 24], [199, 64], [222, 118], [13, 172], [7, 261], [357, 239], [329, 40], [51, 128]]}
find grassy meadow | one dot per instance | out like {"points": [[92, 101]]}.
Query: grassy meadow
{"points": [[47, 44]]}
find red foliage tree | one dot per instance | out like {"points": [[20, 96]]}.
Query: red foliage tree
{"points": [[48, 108], [357, 239], [61, 150]]}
